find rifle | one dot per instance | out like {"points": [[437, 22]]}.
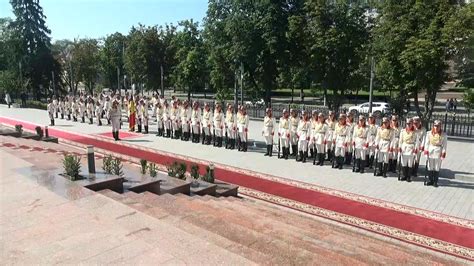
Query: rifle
{"points": [[425, 182], [279, 146], [376, 158], [353, 158], [226, 138], [214, 139], [333, 155], [315, 153], [399, 165]]}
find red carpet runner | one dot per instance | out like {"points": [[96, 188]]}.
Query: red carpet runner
{"points": [[451, 233]]}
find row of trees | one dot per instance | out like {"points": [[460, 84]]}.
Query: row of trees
{"points": [[294, 44]]}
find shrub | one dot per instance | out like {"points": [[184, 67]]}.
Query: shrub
{"points": [[195, 171], [39, 131], [117, 167], [209, 176], [72, 166], [143, 164], [107, 164], [177, 170], [36, 104], [19, 129], [152, 169]]}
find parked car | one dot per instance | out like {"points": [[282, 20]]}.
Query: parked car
{"points": [[260, 102], [378, 108]]}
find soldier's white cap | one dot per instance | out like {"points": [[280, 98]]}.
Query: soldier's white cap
{"points": [[361, 117], [268, 110], [304, 112], [416, 118], [342, 116], [385, 120], [437, 123], [409, 120], [394, 117], [314, 112], [371, 115], [206, 105], [285, 111], [321, 115], [331, 112], [292, 110]]}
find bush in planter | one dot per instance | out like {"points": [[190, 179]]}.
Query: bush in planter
{"points": [[177, 170], [209, 176], [117, 167], [143, 164], [194, 171], [107, 164], [39, 132], [72, 166], [19, 129], [152, 169]]}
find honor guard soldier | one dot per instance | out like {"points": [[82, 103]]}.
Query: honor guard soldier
{"points": [[294, 121], [420, 138], [230, 127], [331, 122], [340, 140], [107, 107], [319, 133], [185, 120], [435, 150], [311, 146], [82, 110], [73, 109], [407, 148], [143, 116], [350, 124], [90, 109], [196, 122], [268, 131], [68, 107], [373, 128], [114, 115], [393, 161], [243, 127], [174, 115], [360, 144], [167, 119], [132, 110], [303, 133], [159, 119], [100, 103], [218, 125], [62, 108], [383, 145], [56, 106], [51, 110], [284, 134], [206, 124], [154, 104]]}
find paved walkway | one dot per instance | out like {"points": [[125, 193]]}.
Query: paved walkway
{"points": [[452, 198]]}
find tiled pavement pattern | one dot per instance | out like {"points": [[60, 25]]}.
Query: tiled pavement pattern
{"points": [[45, 225], [453, 197]]}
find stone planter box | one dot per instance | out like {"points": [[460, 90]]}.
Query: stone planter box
{"points": [[202, 188], [97, 182], [152, 186], [172, 185], [51, 139], [226, 190]]}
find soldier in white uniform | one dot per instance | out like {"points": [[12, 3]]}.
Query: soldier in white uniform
{"points": [[51, 109], [107, 107], [383, 144], [154, 105], [319, 138], [90, 109], [350, 124], [420, 138], [174, 116], [196, 122], [98, 112], [206, 124], [142, 113], [159, 119], [243, 127], [394, 145], [360, 144], [166, 119], [294, 121], [268, 131], [56, 106], [340, 140], [284, 134], [82, 110], [370, 156], [311, 146], [115, 115], [435, 145], [408, 148], [230, 127], [62, 108], [68, 107], [185, 120], [331, 122], [303, 133], [218, 125]]}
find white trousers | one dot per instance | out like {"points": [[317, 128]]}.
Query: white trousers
{"points": [[303, 145], [269, 140], [360, 153], [434, 164], [407, 160]]}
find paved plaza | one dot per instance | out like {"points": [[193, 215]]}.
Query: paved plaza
{"points": [[454, 197]]}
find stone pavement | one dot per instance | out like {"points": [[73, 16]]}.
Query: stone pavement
{"points": [[453, 197]]}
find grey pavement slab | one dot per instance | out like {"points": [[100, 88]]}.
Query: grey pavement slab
{"points": [[453, 197]]}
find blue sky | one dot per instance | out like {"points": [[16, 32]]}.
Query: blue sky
{"points": [[68, 19]]}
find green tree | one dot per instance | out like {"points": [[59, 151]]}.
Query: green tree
{"points": [[86, 59], [34, 47], [112, 61], [63, 49]]}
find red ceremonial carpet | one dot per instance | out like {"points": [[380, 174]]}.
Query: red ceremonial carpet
{"points": [[122, 135], [439, 232]]}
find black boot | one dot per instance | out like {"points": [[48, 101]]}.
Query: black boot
{"points": [[287, 152], [321, 159], [100, 122], [409, 173], [68, 117], [357, 164], [268, 151], [83, 119], [371, 162], [146, 129], [316, 158], [394, 166], [435, 178], [329, 155], [108, 121], [294, 149], [52, 122], [232, 144], [385, 169], [117, 134], [415, 170], [305, 155], [244, 144], [139, 129], [430, 178], [208, 140], [379, 169], [340, 162], [404, 173], [90, 121], [283, 152], [300, 157], [114, 133], [62, 116], [390, 165], [311, 153], [362, 166]]}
